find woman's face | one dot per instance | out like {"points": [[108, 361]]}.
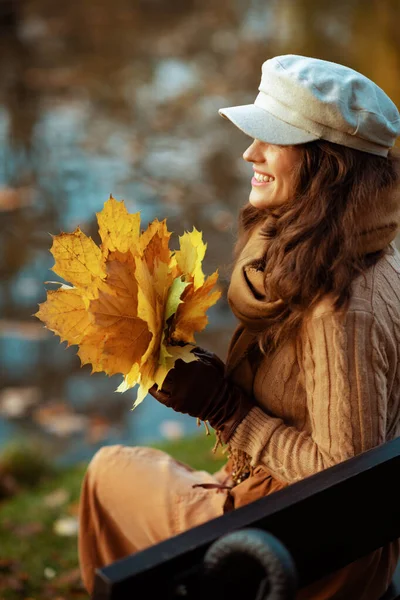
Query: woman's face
{"points": [[273, 180]]}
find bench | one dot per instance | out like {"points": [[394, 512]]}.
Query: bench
{"points": [[288, 539]]}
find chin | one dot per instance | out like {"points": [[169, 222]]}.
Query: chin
{"points": [[264, 203], [261, 203]]}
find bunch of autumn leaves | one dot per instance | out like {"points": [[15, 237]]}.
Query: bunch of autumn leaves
{"points": [[133, 305]]}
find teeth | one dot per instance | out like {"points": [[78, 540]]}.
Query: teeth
{"points": [[263, 178]]}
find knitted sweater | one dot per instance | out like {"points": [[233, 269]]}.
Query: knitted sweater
{"points": [[334, 391]]}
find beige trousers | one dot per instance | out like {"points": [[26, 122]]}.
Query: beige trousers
{"points": [[135, 497]]}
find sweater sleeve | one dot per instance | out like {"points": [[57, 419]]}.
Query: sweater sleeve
{"points": [[344, 365]]}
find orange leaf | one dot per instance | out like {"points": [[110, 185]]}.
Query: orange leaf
{"points": [[121, 279], [154, 244], [90, 350], [126, 337], [191, 312]]}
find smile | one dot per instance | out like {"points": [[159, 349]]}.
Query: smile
{"points": [[263, 178], [260, 179]]}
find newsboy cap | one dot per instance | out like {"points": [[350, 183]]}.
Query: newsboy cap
{"points": [[303, 99]]}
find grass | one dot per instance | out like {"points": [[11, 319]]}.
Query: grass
{"points": [[38, 564]]}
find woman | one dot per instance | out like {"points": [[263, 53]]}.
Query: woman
{"points": [[313, 370]]}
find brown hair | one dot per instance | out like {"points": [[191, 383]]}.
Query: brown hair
{"points": [[312, 241]]}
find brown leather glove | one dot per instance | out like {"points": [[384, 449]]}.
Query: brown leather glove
{"points": [[200, 389]]}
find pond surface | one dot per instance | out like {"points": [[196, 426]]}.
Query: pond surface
{"points": [[121, 97]]}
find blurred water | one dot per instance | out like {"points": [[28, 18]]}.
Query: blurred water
{"points": [[156, 422], [101, 97]]}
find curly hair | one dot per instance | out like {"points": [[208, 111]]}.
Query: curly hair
{"points": [[313, 241]]}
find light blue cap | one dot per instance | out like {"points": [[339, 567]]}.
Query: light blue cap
{"points": [[303, 99]]}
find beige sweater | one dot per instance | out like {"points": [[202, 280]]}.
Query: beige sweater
{"points": [[335, 391]]}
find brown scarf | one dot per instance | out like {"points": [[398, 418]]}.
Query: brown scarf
{"points": [[246, 294]]}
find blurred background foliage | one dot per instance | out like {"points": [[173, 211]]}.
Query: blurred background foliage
{"points": [[121, 97]]}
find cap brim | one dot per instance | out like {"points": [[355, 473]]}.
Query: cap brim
{"points": [[261, 125]]}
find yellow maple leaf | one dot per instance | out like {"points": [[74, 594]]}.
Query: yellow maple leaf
{"points": [[65, 314], [118, 229], [153, 286], [131, 299], [191, 315], [78, 260], [190, 255], [99, 312]]}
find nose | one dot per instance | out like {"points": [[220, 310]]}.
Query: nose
{"points": [[254, 152]]}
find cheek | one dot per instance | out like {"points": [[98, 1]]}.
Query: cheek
{"points": [[283, 188], [287, 180]]}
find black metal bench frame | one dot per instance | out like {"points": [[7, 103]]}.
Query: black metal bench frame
{"points": [[325, 521]]}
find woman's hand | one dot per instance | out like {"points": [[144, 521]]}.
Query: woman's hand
{"points": [[201, 390]]}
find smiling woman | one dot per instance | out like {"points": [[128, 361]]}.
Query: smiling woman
{"points": [[311, 374]]}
